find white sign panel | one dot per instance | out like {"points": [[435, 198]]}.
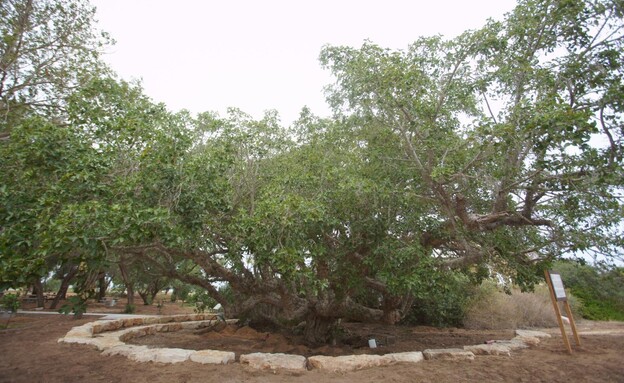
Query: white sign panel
{"points": [[558, 287]]}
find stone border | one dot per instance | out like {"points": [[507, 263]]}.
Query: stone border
{"points": [[109, 336]]}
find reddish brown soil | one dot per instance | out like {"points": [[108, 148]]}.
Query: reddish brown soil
{"points": [[29, 352], [389, 339]]}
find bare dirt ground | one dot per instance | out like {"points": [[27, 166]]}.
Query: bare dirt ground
{"points": [[29, 352], [353, 340]]}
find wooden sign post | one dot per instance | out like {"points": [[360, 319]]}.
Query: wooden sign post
{"points": [[557, 294]]}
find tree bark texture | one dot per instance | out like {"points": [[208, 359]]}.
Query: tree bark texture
{"points": [[62, 291]]}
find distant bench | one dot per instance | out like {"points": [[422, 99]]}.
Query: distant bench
{"points": [[33, 298], [108, 302]]}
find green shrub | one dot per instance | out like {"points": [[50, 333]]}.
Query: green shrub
{"points": [[600, 289], [10, 302], [180, 291], [442, 305], [129, 309], [202, 301], [77, 305]]}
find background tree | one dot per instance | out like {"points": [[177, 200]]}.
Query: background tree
{"points": [[71, 192], [47, 49], [600, 288]]}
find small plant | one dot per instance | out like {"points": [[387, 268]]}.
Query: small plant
{"points": [[77, 305], [11, 303], [130, 309], [202, 302]]}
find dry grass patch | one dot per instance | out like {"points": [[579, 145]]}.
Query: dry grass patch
{"points": [[494, 309]]}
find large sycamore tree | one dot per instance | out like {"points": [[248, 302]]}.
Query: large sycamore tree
{"points": [[496, 151]]}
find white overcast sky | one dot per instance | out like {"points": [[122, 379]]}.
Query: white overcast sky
{"points": [[259, 55]]}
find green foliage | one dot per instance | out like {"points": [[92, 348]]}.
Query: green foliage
{"points": [[129, 309], [180, 292], [418, 186], [42, 184], [52, 285], [10, 302], [47, 49], [506, 183], [444, 303], [202, 301], [76, 304], [600, 289]]}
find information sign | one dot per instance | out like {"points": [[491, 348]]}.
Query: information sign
{"points": [[558, 287], [557, 294]]}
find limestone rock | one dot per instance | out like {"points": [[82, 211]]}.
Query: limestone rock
{"points": [[161, 355], [404, 357], [106, 325], [80, 332], [489, 349], [151, 320], [139, 332], [514, 344], [173, 327], [265, 361], [212, 357], [76, 339], [124, 350], [191, 325], [448, 354], [126, 335], [129, 322], [532, 334], [530, 340], [346, 362], [105, 342]]}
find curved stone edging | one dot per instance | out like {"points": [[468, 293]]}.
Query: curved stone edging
{"points": [[110, 336]]}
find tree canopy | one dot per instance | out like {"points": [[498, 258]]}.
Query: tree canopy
{"points": [[497, 151], [47, 49]]}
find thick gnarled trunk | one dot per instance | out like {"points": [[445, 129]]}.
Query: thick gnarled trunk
{"points": [[319, 329]]}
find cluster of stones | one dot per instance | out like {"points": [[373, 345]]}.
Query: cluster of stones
{"points": [[110, 336]]}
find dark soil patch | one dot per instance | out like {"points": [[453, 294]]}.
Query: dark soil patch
{"points": [[352, 339]]}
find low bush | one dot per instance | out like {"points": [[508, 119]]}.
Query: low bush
{"points": [[129, 309], [599, 288], [202, 301], [10, 303], [443, 305], [77, 305]]}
